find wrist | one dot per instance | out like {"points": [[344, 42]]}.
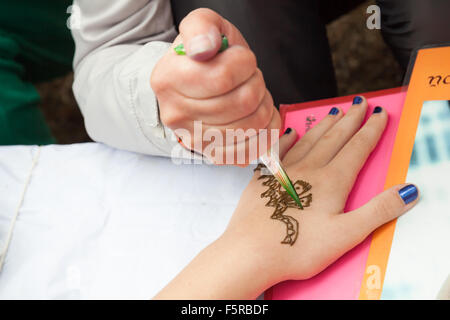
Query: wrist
{"points": [[225, 270], [251, 261]]}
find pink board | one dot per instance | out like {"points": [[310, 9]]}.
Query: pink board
{"points": [[342, 280]]}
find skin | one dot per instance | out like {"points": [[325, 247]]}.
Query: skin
{"points": [[248, 258], [223, 90]]}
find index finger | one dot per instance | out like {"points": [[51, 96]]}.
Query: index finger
{"points": [[352, 157], [212, 78]]}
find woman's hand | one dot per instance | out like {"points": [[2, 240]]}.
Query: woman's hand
{"points": [[327, 159]]}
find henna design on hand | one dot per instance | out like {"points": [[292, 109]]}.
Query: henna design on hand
{"points": [[281, 200]]}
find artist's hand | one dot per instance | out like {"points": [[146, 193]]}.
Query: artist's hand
{"points": [[250, 257], [223, 90]]}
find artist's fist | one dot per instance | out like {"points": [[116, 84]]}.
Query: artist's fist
{"points": [[223, 90]]}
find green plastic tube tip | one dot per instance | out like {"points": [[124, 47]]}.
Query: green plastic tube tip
{"points": [[179, 49]]}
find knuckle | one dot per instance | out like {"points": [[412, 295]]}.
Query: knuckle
{"points": [[360, 142], [202, 12], [304, 165], [183, 23], [364, 139], [275, 119], [170, 116], [249, 98], [303, 145], [355, 111], [354, 115], [250, 58], [336, 176], [385, 209], [222, 80], [332, 134], [158, 82], [196, 14], [264, 115]]}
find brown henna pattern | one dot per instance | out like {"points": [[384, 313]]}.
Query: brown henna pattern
{"points": [[281, 201]]}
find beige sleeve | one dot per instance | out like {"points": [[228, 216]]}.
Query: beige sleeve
{"points": [[118, 42]]}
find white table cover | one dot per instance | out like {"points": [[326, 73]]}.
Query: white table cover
{"points": [[96, 222]]}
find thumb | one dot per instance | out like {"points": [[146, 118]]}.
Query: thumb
{"points": [[385, 207], [201, 31]]}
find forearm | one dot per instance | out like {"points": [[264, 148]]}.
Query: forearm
{"points": [[224, 270]]}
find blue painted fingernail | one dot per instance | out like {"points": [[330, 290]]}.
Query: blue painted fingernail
{"points": [[357, 100], [288, 130], [408, 193], [334, 111], [377, 110]]}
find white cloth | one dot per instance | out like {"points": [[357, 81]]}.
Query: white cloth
{"points": [[101, 223], [118, 42]]}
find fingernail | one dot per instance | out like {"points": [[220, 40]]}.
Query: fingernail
{"points": [[199, 44], [377, 109], [357, 100], [408, 193], [334, 111], [288, 130]]}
